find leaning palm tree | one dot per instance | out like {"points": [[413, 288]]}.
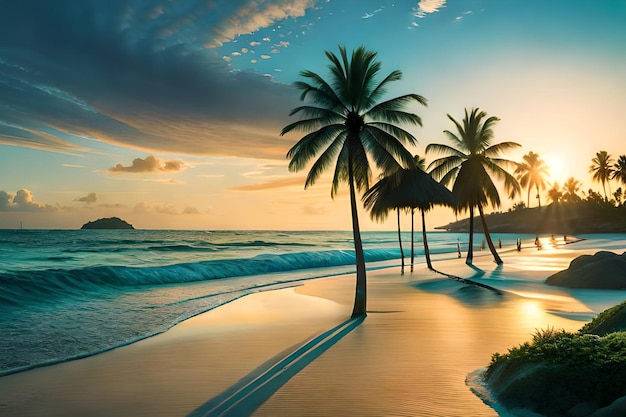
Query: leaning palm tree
{"points": [[408, 188], [602, 169], [345, 123], [554, 193], [570, 190], [531, 172], [468, 166], [619, 170]]}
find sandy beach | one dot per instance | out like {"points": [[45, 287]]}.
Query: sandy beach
{"points": [[424, 334]]}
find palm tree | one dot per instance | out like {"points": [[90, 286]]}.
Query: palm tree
{"points": [[602, 170], [554, 193], [345, 124], [468, 166], [531, 173], [408, 188], [570, 190], [619, 170]]}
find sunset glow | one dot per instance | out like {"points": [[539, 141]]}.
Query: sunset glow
{"points": [[558, 169], [169, 115]]}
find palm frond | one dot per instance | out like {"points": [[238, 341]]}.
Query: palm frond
{"points": [[443, 149], [341, 170], [500, 148], [398, 133], [380, 89], [384, 149], [325, 160], [310, 145]]}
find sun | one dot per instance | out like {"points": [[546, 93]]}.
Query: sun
{"points": [[557, 169]]}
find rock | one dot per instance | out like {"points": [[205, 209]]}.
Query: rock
{"points": [[108, 223], [617, 408], [604, 270]]}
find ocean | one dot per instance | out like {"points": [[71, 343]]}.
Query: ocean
{"points": [[67, 294]]}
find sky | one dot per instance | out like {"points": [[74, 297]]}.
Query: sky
{"points": [[168, 113]]}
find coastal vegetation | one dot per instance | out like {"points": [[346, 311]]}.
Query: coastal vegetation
{"points": [[345, 125], [532, 172], [469, 165], [564, 216], [408, 189], [561, 373]]}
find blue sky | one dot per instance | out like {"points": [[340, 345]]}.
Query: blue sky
{"points": [[168, 113]]}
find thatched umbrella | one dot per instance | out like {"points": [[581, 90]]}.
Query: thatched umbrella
{"points": [[409, 189]]}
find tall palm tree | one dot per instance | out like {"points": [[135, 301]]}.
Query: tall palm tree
{"points": [[345, 123], [408, 188], [468, 166], [619, 170], [570, 190], [554, 193], [602, 169], [531, 172]]}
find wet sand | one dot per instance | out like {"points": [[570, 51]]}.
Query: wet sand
{"points": [[411, 356]]}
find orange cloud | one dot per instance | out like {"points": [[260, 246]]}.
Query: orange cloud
{"points": [[150, 164], [277, 183]]}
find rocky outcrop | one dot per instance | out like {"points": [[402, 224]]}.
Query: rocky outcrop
{"points": [[108, 223], [604, 270]]}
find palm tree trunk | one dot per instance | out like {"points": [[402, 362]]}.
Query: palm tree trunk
{"points": [[426, 251], [360, 296], [528, 196], [538, 196], [492, 248], [470, 249], [412, 239], [400, 242]]}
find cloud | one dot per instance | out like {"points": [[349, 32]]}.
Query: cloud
{"points": [[147, 207], [276, 183], [191, 210], [249, 16], [425, 7], [140, 77], [150, 164], [89, 198], [22, 201]]}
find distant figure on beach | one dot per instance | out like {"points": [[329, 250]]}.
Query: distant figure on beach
{"points": [[537, 242], [519, 244], [458, 247], [500, 243], [552, 240], [482, 245], [564, 238]]}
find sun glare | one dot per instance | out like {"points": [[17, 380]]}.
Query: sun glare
{"points": [[557, 169]]}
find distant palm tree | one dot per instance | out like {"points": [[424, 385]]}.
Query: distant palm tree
{"points": [[554, 193], [345, 124], [602, 169], [619, 170], [531, 172], [468, 166], [570, 190], [408, 188]]}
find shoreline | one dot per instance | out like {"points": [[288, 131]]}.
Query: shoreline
{"points": [[423, 333]]}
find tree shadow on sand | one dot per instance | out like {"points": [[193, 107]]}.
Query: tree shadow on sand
{"points": [[243, 398], [470, 292]]}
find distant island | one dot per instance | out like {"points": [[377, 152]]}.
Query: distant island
{"points": [[556, 218], [108, 223]]}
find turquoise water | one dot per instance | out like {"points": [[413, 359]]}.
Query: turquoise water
{"points": [[71, 293]]}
